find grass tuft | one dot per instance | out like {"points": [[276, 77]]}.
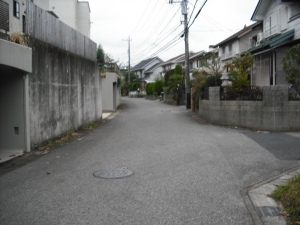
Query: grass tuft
{"points": [[18, 38], [289, 196]]}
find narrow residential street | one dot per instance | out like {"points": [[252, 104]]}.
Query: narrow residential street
{"points": [[186, 171]]}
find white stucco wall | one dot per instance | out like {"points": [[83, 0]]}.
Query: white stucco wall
{"points": [[83, 18], [156, 73], [108, 94], [66, 11], [295, 24], [44, 4]]}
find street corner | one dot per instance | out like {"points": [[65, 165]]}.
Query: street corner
{"points": [[264, 209]]}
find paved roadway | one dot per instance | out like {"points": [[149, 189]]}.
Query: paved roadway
{"points": [[185, 172]]}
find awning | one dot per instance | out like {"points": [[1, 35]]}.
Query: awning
{"points": [[270, 43], [281, 38]]}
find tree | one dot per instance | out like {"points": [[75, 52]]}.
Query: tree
{"points": [[214, 67], [158, 87], [291, 65], [238, 70], [100, 54], [149, 88], [108, 58], [175, 79], [133, 77], [178, 69], [135, 83]]}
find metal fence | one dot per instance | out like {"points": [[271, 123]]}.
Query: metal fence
{"points": [[4, 36], [294, 93], [205, 95], [249, 93]]}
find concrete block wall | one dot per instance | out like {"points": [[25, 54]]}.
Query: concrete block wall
{"points": [[274, 113]]}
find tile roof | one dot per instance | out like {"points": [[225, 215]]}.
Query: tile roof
{"points": [[151, 68], [173, 59], [239, 33], [142, 64]]}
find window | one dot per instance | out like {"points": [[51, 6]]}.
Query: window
{"points": [[199, 64], [271, 25], [223, 50], [283, 18], [24, 23], [4, 18], [16, 9], [230, 48]]}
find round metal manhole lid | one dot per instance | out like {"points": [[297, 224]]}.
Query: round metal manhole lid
{"points": [[113, 173]]}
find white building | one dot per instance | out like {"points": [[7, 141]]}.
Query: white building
{"points": [[281, 31], [77, 16]]}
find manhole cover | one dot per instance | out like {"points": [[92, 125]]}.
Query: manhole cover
{"points": [[113, 173]]}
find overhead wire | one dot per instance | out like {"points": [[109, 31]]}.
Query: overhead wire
{"points": [[197, 13]]}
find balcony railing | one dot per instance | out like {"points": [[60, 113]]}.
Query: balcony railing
{"points": [[227, 55], [109, 67]]}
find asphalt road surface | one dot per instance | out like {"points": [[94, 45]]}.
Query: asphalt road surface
{"points": [[185, 172]]}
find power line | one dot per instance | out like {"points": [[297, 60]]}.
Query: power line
{"points": [[192, 11], [197, 13]]}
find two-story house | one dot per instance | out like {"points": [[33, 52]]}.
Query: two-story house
{"points": [[154, 72], [281, 30], [171, 63], [140, 68], [196, 61], [238, 42]]}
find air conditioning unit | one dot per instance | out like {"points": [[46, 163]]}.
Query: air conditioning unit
{"points": [[260, 37]]}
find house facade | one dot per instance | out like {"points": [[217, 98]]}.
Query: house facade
{"points": [[238, 43], [171, 63], [50, 85], [281, 31], [77, 16], [140, 68], [154, 72]]}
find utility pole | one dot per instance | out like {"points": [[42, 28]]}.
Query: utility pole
{"points": [[187, 55], [128, 58], [186, 39]]}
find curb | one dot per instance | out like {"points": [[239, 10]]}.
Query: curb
{"points": [[262, 208]]}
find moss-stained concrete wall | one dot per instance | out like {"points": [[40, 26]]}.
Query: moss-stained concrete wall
{"points": [[65, 92]]}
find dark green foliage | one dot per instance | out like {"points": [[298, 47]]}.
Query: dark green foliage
{"points": [[158, 86], [149, 88], [100, 54], [167, 76], [134, 86], [119, 82], [133, 77], [291, 65], [134, 83], [238, 70], [178, 70], [174, 80], [200, 82]]}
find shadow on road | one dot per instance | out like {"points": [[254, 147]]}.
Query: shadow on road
{"points": [[283, 146]]}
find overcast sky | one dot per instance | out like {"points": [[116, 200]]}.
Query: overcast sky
{"points": [[153, 24]]}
